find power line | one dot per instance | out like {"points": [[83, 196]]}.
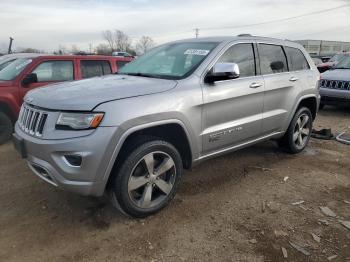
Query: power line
{"points": [[277, 20]]}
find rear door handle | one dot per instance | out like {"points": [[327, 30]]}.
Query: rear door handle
{"points": [[255, 85], [293, 79]]}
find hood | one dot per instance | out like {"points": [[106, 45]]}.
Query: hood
{"points": [[86, 94], [337, 74]]}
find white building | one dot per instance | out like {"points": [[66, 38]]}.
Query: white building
{"points": [[323, 47]]}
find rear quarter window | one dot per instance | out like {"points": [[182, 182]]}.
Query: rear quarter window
{"points": [[296, 59]]}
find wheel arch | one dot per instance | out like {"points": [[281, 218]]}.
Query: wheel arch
{"points": [[163, 130], [311, 103]]}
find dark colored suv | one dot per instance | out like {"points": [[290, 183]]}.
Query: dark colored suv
{"points": [[33, 70]]}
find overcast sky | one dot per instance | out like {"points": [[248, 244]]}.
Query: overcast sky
{"points": [[46, 24]]}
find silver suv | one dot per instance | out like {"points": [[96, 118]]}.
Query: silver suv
{"points": [[132, 134], [335, 84]]}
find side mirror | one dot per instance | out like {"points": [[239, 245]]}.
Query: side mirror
{"points": [[30, 78], [223, 71]]}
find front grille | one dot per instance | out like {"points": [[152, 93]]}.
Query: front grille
{"points": [[32, 121], [335, 84]]}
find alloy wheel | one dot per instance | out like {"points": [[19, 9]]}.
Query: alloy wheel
{"points": [[152, 180], [301, 131]]}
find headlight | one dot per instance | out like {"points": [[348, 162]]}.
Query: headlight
{"points": [[79, 121]]}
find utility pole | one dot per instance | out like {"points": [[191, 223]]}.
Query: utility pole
{"points": [[196, 30], [10, 46], [320, 48], [90, 48]]}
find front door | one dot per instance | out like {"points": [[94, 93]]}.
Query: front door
{"points": [[232, 111], [48, 72]]}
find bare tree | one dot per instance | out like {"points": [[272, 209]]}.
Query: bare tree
{"points": [[117, 40], [122, 42], [103, 49], [28, 50], [144, 44], [109, 37]]}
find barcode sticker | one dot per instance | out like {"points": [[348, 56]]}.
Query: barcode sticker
{"points": [[196, 52]]}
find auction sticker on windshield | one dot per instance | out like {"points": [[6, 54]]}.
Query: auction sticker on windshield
{"points": [[196, 52]]}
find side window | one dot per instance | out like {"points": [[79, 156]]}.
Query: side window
{"points": [[54, 71], [296, 59], [120, 64], [272, 59], [90, 68], [243, 55]]}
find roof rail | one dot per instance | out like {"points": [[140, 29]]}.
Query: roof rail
{"points": [[244, 35]]}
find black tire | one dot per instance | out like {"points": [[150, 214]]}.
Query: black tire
{"points": [[134, 161], [6, 128], [287, 142]]}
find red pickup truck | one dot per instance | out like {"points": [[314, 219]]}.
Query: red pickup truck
{"points": [[35, 70]]}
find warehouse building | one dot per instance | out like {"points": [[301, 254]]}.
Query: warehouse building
{"points": [[324, 48]]}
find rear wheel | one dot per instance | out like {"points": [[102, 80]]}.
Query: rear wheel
{"points": [[6, 128], [147, 179], [298, 134]]}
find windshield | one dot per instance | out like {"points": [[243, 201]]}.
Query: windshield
{"points": [[3, 64], [344, 64], [14, 69], [170, 61], [336, 58]]}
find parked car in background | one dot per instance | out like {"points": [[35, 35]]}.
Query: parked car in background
{"points": [[30, 71], [132, 134], [317, 60], [325, 58], [335, 84], [122, 54], [333, 61]]}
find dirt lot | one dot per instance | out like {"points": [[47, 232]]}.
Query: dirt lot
{"points": [[233, 208]]}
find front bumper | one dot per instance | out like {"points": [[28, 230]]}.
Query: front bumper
{"points": [[46, 158], [335, 96]]}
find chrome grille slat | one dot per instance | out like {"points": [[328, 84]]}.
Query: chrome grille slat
{"points": [[335, 84], [37, 123], [32, 121]]}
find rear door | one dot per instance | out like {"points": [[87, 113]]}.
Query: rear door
{"points": [[280, 87], [92, 68], [232, 110], [50, 71], [299, 68]]}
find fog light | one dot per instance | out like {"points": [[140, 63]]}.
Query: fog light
{"points": [[74, 160]]}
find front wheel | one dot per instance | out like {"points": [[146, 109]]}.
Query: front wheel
{"points": [[147, 179], [298, 134]]}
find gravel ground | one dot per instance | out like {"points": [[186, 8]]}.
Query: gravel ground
{"points": [[232, 208]]}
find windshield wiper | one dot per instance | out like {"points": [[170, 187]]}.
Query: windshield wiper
{"points": [[342, 67], [142, 75]]}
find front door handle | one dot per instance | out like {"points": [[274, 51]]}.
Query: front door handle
{"points": [[255, 85], [293, 79]]}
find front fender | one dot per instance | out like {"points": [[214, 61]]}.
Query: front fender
{"points": [[123, 133]]}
